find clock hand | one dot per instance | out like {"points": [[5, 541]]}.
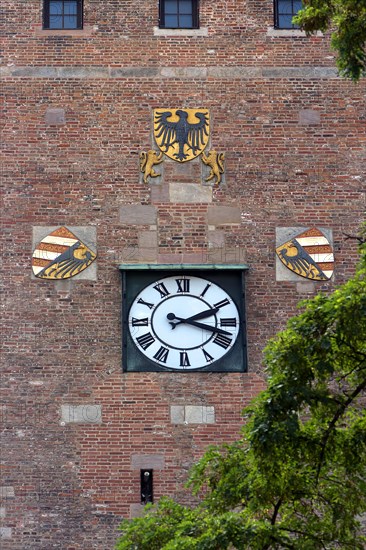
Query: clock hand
{"points": [[171, 316], [203, 314]]}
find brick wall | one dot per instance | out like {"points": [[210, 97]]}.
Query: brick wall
{"points": [[78, 111]]}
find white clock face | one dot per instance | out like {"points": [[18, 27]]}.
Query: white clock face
{"points": [[183, 322]]}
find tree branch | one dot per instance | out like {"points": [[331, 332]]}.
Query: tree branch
{"points": [[333, 423]]}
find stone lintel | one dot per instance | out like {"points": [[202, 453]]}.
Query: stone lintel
{"points": [[147, 461]]}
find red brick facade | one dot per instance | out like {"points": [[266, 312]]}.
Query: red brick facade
{"points": [[78, 111]]}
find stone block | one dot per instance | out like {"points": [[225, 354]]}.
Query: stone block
{"points": [[2, 512], [81, 414], [136, 510], [134, 72], [194, 257], [137, 214], [83, 72], [306, 287], [64, 286], [6, 491], [35, 72], [309, 116], [146, 255], [159, 193], [216, 239], [234, 72], [223, 215], [285, 32], [202, 31], [170, 258], [147, 461], [177, 414], [148, 239], [189, 193], [5, 533], [55, 117], [192, 414], [226, 255], [185, 172], [199, 415]]}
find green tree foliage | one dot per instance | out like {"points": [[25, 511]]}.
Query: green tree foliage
{"points": [[347, 21], [296, 479]]}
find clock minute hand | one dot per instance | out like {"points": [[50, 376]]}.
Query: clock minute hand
{"points": [[171, 316], [203, 314]]}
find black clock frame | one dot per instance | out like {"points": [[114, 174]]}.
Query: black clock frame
{"points": [[136, 277]]}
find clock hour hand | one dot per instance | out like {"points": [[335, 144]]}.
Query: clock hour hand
{"points": [[188, 321]]}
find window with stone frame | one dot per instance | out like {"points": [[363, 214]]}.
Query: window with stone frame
{"points": [[178, 14], [284, 11], [62, 14]]}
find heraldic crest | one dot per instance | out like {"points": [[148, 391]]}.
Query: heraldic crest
{"points": [[61, 255], [308, 254], [181, 134]]}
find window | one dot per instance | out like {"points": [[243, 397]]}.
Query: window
{"points": [[62, 14], [284, 11], [179, 14]]}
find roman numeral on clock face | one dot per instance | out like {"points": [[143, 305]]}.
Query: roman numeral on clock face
{"points": [[205, 290], [147, 304], [184, 360], [222, 340], [208, 357], [162, 354], [145, 340], [162, 289], [140, 322], [222, 303], [183, 285], [229, 322]]}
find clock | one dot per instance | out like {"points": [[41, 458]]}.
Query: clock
{"points": [[183, 321]]}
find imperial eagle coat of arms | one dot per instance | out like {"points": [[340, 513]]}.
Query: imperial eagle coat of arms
{"points": [[181, 134]]}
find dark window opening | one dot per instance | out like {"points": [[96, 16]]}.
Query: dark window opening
{"points": [[179, 14], [284, 11], [63, 14], [146, 486]]}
